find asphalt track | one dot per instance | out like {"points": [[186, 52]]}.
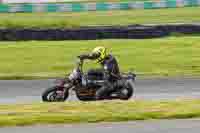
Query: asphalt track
{"points": [[152, 126], [23, 91]]}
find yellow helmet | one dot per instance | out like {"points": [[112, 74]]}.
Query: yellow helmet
{"points": [[101, 52]]}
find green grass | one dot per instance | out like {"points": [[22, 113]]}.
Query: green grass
{"points": [[53, 20], [105, 111], [172, 56]]}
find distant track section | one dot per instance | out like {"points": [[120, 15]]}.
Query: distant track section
{"points": [[95, 6], [100, 32]]}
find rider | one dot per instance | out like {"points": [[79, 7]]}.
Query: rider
{"points": [[110, 67]]}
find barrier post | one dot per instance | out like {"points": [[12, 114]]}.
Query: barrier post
{"points": [[4, 8]]}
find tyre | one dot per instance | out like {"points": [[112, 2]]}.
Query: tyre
{"points": [[50, 95], [127, 91]]}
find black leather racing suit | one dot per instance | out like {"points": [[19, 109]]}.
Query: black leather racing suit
{"points": [[112, 74]]}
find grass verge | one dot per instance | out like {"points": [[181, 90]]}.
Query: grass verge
{"points": [[171, 56], [55, 20], [105, 111]]}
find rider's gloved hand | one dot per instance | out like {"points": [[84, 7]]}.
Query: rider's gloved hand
{"points": [[82, 57]]}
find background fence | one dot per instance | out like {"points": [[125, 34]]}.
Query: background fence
{"points": [[34, 1], [98, 6]]}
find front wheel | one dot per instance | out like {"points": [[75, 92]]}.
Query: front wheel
{"points": [[51, 95], [127, 91]]}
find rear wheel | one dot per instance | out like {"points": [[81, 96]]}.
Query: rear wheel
{"points": [[51, 95], [127, 91]]}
